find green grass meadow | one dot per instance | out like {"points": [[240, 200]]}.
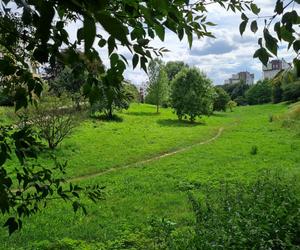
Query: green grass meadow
{"points": [[158, 188]]}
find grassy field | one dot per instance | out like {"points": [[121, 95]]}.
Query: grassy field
{"points": [[156, 189]]}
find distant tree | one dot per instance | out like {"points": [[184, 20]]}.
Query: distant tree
{"points": [[221, 98], [259, 93], [132, 90], [192, 94], [173, 68], [289, 83], [68, 82], [237, 91], [54, 122], [231, 104], [277, 92], [158, 88], [111, 98]]}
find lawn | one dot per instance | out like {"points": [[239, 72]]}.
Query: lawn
{"points": [[156, 189]]}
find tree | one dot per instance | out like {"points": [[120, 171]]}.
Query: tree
{"points": [[221, 99], [173, 68], [259, 93], [158, 89], [112, 98], [192, 94], [132, 90], [129, 24], [237, 91], [287, 84]]}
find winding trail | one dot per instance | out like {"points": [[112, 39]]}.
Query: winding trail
{"points": [[139, 163]]}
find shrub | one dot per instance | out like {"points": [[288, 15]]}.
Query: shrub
{"points": [[54, 122], [254, 150], [262, 215], [231, 104], [192, 94], [291, 91], [277, 93], [221, 99]]}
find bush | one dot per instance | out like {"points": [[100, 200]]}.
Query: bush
{"points": [[241, 101], [263, 215], [54, 122], [6, 100], [259, 93], [192, 94], [221, 99], [291, 91], [231, 104], [277, 93]]}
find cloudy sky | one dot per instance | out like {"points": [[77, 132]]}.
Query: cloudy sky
{"points": [[219, 58]]}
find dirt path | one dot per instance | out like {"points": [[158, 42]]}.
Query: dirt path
{"points": [[139, 163]]}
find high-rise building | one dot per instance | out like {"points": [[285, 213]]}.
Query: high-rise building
{"points": [[274, 67], [243, 76]]}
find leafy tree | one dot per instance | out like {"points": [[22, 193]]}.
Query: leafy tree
{"points": [[158, 89], [173, 68], [287, 83], [192, 94], [237, 91], [112, 98], [259, 93], [131, 24], [68, 82], [221, 99]]}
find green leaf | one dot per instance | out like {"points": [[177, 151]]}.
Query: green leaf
{"points": [[271, 42], [111, 44], [262, 55], [296, 45], [244, 17], [113, 26], [277, 29], [254, 8], [160, 31], [297, 66], [102, 43], [89, 32], [144, 64], [279, 7], [286, 35], [243, 26], [135, 60], [254, 27]]}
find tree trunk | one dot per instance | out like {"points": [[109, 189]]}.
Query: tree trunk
{"points": [[157, 108]]}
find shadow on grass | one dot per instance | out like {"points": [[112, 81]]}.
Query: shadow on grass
{"points": [[219, 114], [105, 118], [179, 123], [142, 113]]}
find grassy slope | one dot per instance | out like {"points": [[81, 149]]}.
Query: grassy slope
{"points": [[98, 145], [155, 189]]}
